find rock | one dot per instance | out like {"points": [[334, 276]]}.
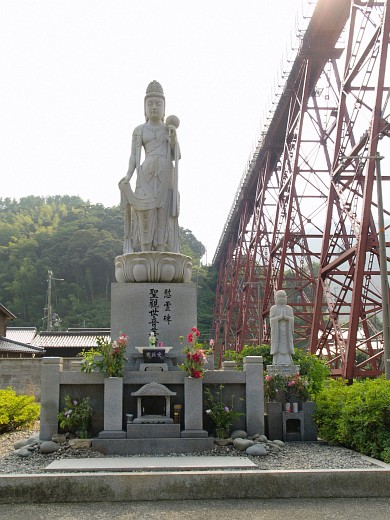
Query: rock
{"points": [[257, 450], [262, 438], [80, 444], [239, 434], [242, 444], [20, 444], [33, 439], [279, 443], [23, 452], [223, 442], [59, 438], [49, 447]]}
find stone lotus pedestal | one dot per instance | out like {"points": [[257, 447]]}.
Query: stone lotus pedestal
{"points": [[113, 409], [153, 266]]}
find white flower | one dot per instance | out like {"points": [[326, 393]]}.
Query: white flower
{"points": [[208, 411]]}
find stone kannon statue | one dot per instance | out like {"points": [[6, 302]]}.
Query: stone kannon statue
{"points": [[282, 330], [151, 249], [152, 210]]}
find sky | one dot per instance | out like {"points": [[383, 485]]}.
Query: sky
{"points": [[74, 76]]}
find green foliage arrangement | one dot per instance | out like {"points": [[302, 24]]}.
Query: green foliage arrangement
{"points": [[194, 356], [356, 416], [290, 387], [221, 414], [313, 369], [273, 385], [16, 410], [76, 415], [108, 357]]}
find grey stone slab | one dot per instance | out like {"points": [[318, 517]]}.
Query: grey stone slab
{"points": [[145, 431], [155, 446], [194, 433], [112, 434], [150, 463]]}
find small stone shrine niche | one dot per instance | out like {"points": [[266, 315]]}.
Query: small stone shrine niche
{"points": [[150, 398]]}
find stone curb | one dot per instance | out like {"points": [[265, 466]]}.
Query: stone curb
{"points": [[190, 485]]}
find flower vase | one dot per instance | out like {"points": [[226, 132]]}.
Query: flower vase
{"points": [[113, 403], [222, 433], [82, 433], [210, 361]]}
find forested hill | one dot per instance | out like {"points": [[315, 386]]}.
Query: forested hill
{"points": [[78, 241]]}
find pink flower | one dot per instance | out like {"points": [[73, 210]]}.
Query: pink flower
{"points": [[190, 338], [211, 343], [268, 377]]}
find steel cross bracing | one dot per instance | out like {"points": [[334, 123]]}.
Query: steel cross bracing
{"points": [[304, 218]]}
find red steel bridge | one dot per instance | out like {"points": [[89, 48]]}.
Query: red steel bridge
{"points": [[305, 215]]}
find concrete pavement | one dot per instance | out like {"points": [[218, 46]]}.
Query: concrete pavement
{"points": [[273, 509]]}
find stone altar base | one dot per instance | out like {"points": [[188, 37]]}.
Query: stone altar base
{"points": [[159, 446], [137, 308], [153, 431]]}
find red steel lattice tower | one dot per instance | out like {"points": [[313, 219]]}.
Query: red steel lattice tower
{"points": [[305, 215]]}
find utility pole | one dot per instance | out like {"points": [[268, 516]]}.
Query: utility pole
{"points": [[49, 306]]}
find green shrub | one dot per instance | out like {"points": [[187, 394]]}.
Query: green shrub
{"points": [[249, 350], [357, 416], [313, 369], [16, 410], [329, 403]]}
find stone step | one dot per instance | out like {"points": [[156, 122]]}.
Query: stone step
{"points": [[157, 446], [151, 463]]}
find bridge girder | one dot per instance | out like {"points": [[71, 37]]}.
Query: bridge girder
{"points": [[304, 217]]}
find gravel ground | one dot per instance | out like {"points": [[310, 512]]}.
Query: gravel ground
{"points": [[294, 456]]}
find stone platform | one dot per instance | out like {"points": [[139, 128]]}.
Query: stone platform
{"points": [[151, 463], [153, 446]]}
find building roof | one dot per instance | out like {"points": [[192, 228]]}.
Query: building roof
{"points": [[8, 313], [21, 334], [73, 338], [7, 345]]}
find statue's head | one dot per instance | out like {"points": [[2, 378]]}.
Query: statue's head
{"points": [[155, 94], [281, 297]]}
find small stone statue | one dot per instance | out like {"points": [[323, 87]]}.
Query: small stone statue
{"points": [[151, 211], [282, 330]]}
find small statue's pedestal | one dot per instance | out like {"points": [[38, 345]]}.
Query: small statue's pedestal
{"points": [[283, 370]]}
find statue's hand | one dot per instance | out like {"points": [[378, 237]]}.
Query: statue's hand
{"points": [[125, 180], [172, 134]]}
